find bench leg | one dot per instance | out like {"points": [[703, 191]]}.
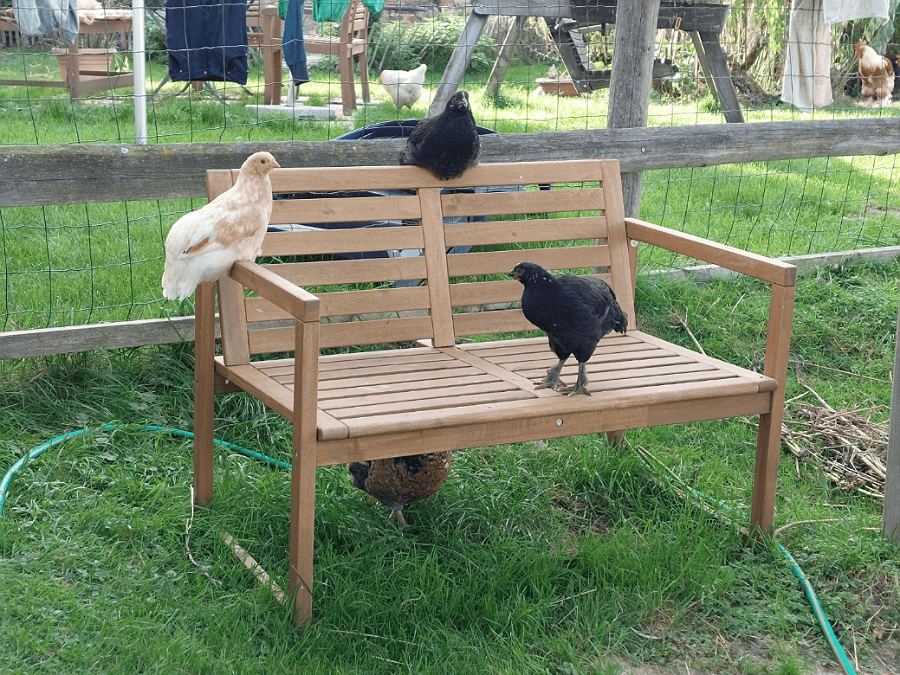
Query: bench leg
{"points": [[768, 440], [303, 509], [768, 448], [303, 469], [204, 391], [615, 438]]}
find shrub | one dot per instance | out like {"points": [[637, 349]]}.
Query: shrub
{"points": [[396, 47]]}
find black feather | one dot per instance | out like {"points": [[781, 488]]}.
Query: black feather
{"points": [[574, 311], [446, 144]]}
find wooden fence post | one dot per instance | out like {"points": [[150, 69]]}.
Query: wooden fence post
{"points": [[631, 79]]}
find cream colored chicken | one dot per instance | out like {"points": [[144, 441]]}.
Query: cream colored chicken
{"points": [[404, 86], [203, 244]]}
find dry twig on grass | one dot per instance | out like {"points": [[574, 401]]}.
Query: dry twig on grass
{"points": [[848, 448]]}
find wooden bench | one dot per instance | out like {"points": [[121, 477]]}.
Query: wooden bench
{"points": [[447, 371]]}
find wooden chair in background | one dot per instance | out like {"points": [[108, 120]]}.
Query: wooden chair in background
{"points": [[264, 34], [352, 40]]}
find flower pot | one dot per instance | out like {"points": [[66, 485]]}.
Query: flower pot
{"points": [[561, 86], [93, 61]]}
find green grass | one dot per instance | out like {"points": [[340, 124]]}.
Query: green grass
{"points": [[102, 262], [559, 557]]}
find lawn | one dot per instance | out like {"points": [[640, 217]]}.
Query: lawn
{"points": [[566, 556], [102, 262]]}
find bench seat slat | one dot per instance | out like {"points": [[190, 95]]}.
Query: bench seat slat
{"points": [[368, 381], [433, 368], [465, 376], [422, 406], [355, 389], [419, 399]]}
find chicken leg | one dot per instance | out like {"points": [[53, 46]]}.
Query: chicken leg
{"points": [[552, 380], [580, 383]]}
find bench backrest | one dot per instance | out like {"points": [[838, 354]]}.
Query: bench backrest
{"points": [[430, 259]]}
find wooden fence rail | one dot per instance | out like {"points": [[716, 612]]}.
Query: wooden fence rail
{"points": [[71, 174]]}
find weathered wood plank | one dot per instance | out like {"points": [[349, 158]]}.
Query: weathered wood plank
{"points": [[56, 174], [629, 87], [70, 339]]}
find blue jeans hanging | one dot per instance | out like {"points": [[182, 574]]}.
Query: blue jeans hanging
{"points": [[207, 40], [292, 42]]}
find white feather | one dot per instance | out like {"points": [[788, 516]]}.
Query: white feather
{"points": [[404, 86], [203, 244]]}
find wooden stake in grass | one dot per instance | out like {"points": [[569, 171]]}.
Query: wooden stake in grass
{"points": [[250, 563], [187, 544]]}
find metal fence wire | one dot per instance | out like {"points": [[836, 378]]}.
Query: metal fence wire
{"points": [[99, 262]]}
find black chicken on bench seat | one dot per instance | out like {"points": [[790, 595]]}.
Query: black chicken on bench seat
{"points": [[574, 312]]}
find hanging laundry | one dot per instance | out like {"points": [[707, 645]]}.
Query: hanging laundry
{"points": [[292, 45], [39, 17], [807, 65], [837, 11], [333, 10], [329, 10], [207, 40], [374, 6]]}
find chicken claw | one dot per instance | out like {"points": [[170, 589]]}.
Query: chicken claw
{"points": [[552, 380]]}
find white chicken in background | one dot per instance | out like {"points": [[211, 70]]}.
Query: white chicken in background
{"points": [[404, 86], [203, 244]]}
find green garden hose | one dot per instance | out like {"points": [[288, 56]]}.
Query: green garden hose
{"points": [[43, 447], [833, 643]]}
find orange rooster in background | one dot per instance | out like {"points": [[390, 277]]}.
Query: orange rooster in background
{"points": [[876, 75]]}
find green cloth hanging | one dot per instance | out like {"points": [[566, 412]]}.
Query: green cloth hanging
{"points": [[329, 10], [333, 10]]}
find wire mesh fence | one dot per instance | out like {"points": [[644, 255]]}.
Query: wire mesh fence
{"points": [[90, 263]]}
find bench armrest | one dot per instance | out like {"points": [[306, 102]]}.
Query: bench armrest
{"points": [[760, 267], [782, 279], [299, 303]]}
